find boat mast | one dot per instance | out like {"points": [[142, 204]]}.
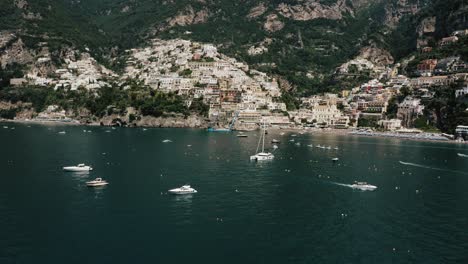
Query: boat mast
{"points": [[263, 144]]}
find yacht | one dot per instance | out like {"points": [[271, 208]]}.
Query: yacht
{"points": [[167, 141], [363, 186], [275, 146], [186, 189], [96, 182], [335, 159], [275, 141], [241, 135], [262, 155], [462, 155], [79, 167]]}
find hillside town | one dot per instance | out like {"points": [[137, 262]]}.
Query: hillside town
{"points": [[240, 98]]}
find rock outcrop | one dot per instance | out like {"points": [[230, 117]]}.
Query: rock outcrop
{"points": [[15, 53], [187, 17], [310, 9], [257, 11], [370, 58], [273, 23]]}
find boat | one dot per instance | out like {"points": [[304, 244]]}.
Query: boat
{"points": [[310, 146], [298, 144], [275, 146], [462, 155], [79, 167], [241, 135], [167, 141], [336, 148], [363, 186], [335, 159], [5, 127], [275, 141], [262, 155], [186, 189], [62, 132], [282, 133], [96, 182]]}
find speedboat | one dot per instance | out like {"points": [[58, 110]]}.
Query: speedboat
{"points": [[462, 155], [96, 182], [262, 156], [241, 135], [167, 141], [79, 167], [275, 141], [62, 132], [275, 146], [335, 159], [363, 186], [186, 189]]}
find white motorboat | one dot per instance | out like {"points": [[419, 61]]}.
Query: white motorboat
{"points": [[5, 127], [262, 155], [79, 167], [186, 189], [275, 141], [462, 155], [167, 141], [241, 135], [62, 132], [363, 186], [275, 146], [96, 182], [335, 159]]}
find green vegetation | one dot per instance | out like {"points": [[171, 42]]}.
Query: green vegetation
{"points": [[446, 112], [105, 101]]}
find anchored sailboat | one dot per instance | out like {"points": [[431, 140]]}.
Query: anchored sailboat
{"points": [[262, 155]]}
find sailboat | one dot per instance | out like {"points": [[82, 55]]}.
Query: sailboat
{"points": [[262, 155]]}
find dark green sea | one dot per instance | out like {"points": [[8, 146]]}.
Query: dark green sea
{"points": [[290, 210]]}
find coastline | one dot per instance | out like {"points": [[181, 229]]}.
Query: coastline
{"points": [[276, 130]]}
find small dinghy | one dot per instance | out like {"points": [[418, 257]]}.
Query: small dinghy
{"points": [[96, 182]]}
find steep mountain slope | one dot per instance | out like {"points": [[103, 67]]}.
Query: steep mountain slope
{"points": [[303, 41]]}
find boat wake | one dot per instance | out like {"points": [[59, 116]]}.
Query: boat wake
{"points": [[429, 167], [356, 186]]}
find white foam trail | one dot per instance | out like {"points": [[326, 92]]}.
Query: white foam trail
{"points": [[428, 167], [343, 184]]}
